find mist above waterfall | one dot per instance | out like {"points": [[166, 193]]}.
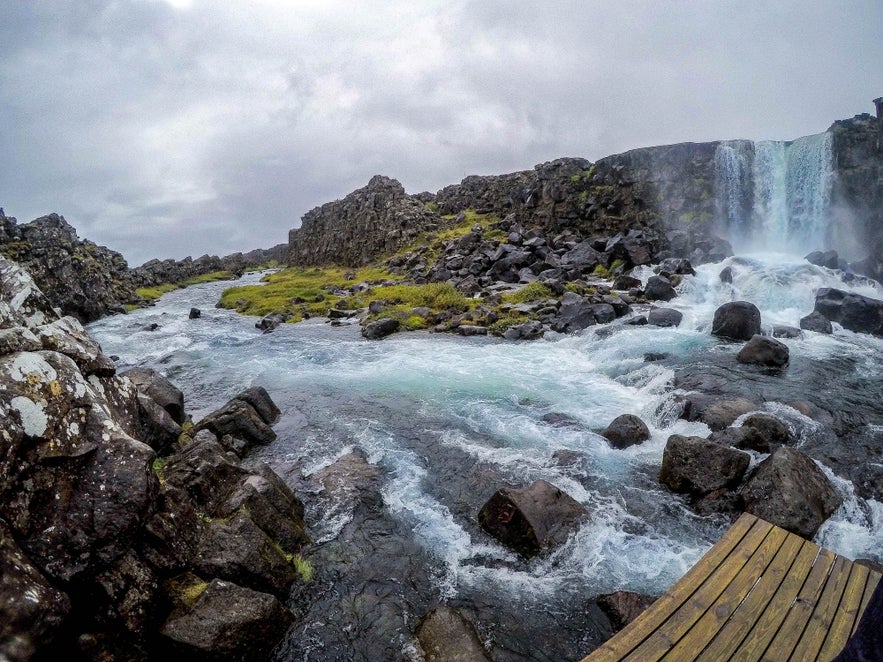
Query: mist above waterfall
{"points": [[776, 195]]}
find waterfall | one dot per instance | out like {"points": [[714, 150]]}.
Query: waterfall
{"points": [[789, 187]]}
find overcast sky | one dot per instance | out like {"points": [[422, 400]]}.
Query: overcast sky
{"points": [[165, 128]]}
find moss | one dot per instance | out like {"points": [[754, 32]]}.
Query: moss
{"points": [[435, 296], [535, 291], [130, 307], [601, 271], [616, 264], [505, 323], [432, 206], [153, 293], [192, 592], [303, 566], [158, 465]]}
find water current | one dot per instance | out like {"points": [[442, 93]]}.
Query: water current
{"points": [[448, 420]]}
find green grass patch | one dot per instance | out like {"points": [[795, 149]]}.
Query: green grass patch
{"points": [[153, 293], [304, 568], [505, 323], [435, 296], [210, 278], [535, 291]]}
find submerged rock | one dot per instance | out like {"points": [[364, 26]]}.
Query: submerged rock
{"points": [[736, 320], [445, 636], [789, 490], [622, 607], [761, 350], [626, 430], [531, 519]]}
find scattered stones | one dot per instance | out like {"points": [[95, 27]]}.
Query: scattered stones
{"points": [[764, 351], [445, 636], [659, 288], [664, 317], [817, 322], [531, 519], [626, 430], [789, 490], [696, 466], [622, 607], [380, 328], [736, 320]]}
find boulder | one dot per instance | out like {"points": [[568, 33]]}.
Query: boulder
{"points": [[676, 265], [696, 466], [664, 317], [229, 622], [736, 320], [852, 311], [240, 420], [774, 431], [717, 414], [816, 322], [622, 607], [625, 283], [160, 389], [531, 519], [531, 330], [789, 490], [195, 314], [445, 636], [626, 430], [764, 351], [726, 275], [261, 402], [380, 328], [659, 288], [827, 259], [157, 429], [782, 331], [270, 322], [743, 438]]}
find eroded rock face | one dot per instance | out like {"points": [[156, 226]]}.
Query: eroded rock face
{"points": [[789, 490], [532, 518]]}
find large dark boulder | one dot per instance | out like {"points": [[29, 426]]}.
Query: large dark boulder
{"points": [[716, 413], [228, 622], [827, 259], [160, 389], [816, 322], [676, 265], [531, 519], [445, 636], [774, 431], [380, 328], [247, 418], [736, 320], [696, 466], [626, 430], [789, 490], [852, 311], [659, 288], [664, 317], [761, 350]]}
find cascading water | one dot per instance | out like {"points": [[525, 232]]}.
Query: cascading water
{"points": [[790, 189]]}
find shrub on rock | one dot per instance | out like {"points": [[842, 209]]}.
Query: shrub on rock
{"points": [[531, 519], [764, 351], [789, 490], [736, 320]]}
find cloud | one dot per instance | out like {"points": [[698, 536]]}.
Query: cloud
{"points": [[166, 128]]}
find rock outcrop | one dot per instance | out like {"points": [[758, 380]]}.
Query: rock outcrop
{"points": [[94, 526], [158, 272], [81, 278], [852, 311]]}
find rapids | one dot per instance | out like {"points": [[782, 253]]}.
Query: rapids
{"points": [[449, 420]]}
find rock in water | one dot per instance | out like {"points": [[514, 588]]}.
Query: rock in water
{"points": [[828, 259], [659, 288], [622, 607], [664, 317], [789, 490], [696, 466], [532, 518], [380, 329], [761, 350], [445, 636], [195, 313], [229, 622], [626, 430], [160, 389], [853, 311], [816, 322], [736, 320]]}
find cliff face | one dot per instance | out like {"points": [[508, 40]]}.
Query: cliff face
{"points": [[157, 272], [370, 222], [857, 196], [79, 277]]}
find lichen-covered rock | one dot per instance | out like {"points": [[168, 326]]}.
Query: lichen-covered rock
{"points": [[736, 320], [696, 466], [532, 518], [229, 622], [789, 490]]}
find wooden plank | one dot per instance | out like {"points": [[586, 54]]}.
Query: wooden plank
{"points": [[847, 613], [757, 640], [801, 609], [814, 635], [680, 622], [873, 580], [731, 598], [632, 635], [757, 605]]}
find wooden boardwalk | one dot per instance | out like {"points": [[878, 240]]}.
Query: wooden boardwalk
{"points": [[760, 593]]}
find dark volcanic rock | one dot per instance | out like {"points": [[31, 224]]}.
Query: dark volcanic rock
{"points": [[626, 430], [247, 417], [782, 331], [271, 322], [827, 259], [622, 607], [789, 490], [659, 288], [774, 431], [816, 322], [195, 313], [696, 466], [445, 636], [743, 438], [532, 518], [229, 622], [380, 328], [852, 311], [761, 350], [664, 317], [717, 413], [160, 389], [676, 265], [531, 330], [736, 320]]}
